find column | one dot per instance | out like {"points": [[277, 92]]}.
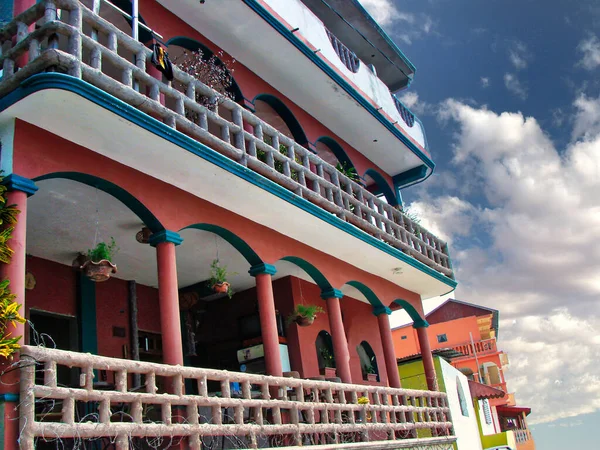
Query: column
{"points": [[19, 189], [387, 342], [338, 334], [268, 319], [22, 5], [168, 295], [426, 355]]}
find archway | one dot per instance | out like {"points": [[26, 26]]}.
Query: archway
{"points": [[315, 274], [368, 360], [329, 150], [418, 321], [377, 185], [273, 111]]}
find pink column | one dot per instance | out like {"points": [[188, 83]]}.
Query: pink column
{"points": [[268, 317], [338, 335], [19, 189], [168, 295], [21, 5], [388, 347], [427, 357]]}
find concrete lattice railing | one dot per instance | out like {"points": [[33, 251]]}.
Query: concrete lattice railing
{"points": [[483, 347], [267, 411], [87, 47]]}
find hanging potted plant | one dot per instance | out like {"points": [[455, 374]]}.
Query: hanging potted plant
{"points": [[370, 372], [218, 278], [328, 362], [304, 315], [98, 265]]}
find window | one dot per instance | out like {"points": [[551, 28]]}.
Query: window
{"points": [[403, 337], [442, 338], [324, 346], [368, 360], [461, 398], [487, 412], [347, 56], [407, 116]]}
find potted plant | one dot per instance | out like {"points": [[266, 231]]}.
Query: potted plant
{"points": [[329, 363], [304, 315], [371, 372], [98, 265], [218, 278]]}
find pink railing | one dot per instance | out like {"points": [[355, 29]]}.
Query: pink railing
{"points": [[484, 347]]}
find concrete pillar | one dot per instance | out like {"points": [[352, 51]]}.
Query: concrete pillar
{"points": [[387, 342], [268, 318], [168, 295], [19, 189], [426, 355], [338, 334]]}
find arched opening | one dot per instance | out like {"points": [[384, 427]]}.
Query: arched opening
{"points": [[377, 185], [418, 321], [273, 111], [324, 348], [313, 273], [180, 47], [368, 362], [358, 290]]}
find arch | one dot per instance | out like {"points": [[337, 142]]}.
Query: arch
{"points": [[193, 46], [311, 270], [368, 293], [383, 186], [137, 207], [418, 321], [367, 358], [337, 150], [288, 117], [238, 243], [324, 349]]}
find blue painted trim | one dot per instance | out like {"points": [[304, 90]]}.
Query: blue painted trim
{"points": [[9, 397], [43, 81], [381, 310], [269, 269], [421, 323], [319, 279], [410, 176], [287, 115], [165, 236], [367, 292], [16, 182], [277, 25], [337, 150], [332, 293], [382, 184], [418, 321]]}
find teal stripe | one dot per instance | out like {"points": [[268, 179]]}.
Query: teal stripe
{"points": [[43, 81]]}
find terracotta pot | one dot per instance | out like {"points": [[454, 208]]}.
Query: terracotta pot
{"points": [[98, 271], [305, 321], [328, 372], [372, 377], [221, 288]]}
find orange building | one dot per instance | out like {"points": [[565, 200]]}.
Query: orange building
{"points": [[471, 330]]}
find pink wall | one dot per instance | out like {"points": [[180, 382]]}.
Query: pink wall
{"points": [[251, 85]]}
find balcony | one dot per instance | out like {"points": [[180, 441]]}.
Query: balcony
{"points": [[213, 408], [320, 65], [484, 347], [80, 46]]}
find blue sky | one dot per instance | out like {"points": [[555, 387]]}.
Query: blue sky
{"points": [[509, 93]]}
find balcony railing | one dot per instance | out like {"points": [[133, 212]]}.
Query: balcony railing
{"points": [[522, 435], [484, 347], [267, 411], [85, 46]]}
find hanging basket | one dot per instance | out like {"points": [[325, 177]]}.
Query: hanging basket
{"points": [[304, 321], [98, 271], [221, 288]]}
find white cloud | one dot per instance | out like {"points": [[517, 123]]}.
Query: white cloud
{"points": [[532, 250], [415, 104], [514, 86], [485, 82], [385, 12], [590, 47], [519, 55]]}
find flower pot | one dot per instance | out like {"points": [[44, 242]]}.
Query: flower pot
{"points": [[328, 372], [98, 271], [372, 377], [304, 321], [221, 288]]}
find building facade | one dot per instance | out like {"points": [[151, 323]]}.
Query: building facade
{"points": [[466, 333], [191, 144]]}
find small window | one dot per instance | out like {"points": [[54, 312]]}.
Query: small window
{"points": [[487, 412], [461, 398], [442, 338], [347, 56], [403, 337]]}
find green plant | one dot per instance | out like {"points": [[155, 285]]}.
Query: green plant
{"points": [[306, 311], [103, 251], [328, 359], [219, 275], [369, 369], [348, 170]]}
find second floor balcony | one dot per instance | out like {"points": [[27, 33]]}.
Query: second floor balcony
{"points": [[62, 46]]}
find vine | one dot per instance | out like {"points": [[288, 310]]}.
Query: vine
{"points": [[9, 308]]}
